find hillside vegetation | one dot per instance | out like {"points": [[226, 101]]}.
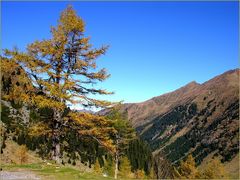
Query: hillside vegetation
{"points": [[197, 119], [38, 86], [192, 132]]}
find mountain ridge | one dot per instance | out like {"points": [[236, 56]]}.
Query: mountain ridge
{"points": [[191, 87], [196, 118]]}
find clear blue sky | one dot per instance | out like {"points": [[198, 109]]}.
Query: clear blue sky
{"points": [[155, 47]]}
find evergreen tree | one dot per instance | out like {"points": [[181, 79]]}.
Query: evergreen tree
{"points": [[56, 72], [124, 133], [140, 155], [125, 167]]}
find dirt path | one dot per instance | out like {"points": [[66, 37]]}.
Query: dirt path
{"points": [[18, 175]]}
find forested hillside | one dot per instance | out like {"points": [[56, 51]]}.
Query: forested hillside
{"points": [[189, 133], [197, 119], [38, 86]]}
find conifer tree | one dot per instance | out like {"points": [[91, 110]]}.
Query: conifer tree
{"points": [[15, 83], [140, 155], [188, 168], [125, 167], [61, 71], [123, 135], [97, 167]]}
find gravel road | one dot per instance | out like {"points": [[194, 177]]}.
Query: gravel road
{"points": [[15, 175]]}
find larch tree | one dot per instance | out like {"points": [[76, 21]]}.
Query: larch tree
{"points": [[125, 168], [97, 167], [62, 70], [15, 83], [213, 169], [123, 135], [188, 168]]}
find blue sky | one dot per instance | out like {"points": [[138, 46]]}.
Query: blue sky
{"points": [[155, 47]]}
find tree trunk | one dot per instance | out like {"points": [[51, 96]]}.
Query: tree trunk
{"points": [[116, 165], [116, 157], [56, 137]]}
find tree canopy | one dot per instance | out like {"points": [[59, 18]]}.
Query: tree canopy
{"points": [[56, 73]]}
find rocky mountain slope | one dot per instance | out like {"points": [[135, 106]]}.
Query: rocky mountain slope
{"points": [[201, 119]]}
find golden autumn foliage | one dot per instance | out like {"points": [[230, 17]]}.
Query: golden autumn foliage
{"points": [[63, 66], [125, 168], [22, 154], [97, 168], [15, 84], [188, 168], [58, 72], [95, 126], [139, 174], [39, 129], [123, 134], [214, 169], [152, 174]]}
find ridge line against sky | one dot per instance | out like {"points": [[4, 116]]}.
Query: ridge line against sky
{"points": [[155, 47]]}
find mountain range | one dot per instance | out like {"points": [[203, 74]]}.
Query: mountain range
{"points": [[198, 119]]}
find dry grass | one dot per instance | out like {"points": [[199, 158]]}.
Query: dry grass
{"points": [[11, 154], [232, 168]]}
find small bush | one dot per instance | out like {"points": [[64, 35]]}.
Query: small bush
{"points": [[97, 167], [139, 174], [22, 154]]}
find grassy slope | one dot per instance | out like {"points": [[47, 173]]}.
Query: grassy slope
{"points": [[9, 161], [231, 168], [10, 154], [54, 172]]}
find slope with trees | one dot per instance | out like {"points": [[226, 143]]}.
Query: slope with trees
{"points": [[58, 72]]}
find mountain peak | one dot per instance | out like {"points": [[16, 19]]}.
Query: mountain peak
{"points": [[188, 87], [192, 84], [138, 112], [199, 117]]}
